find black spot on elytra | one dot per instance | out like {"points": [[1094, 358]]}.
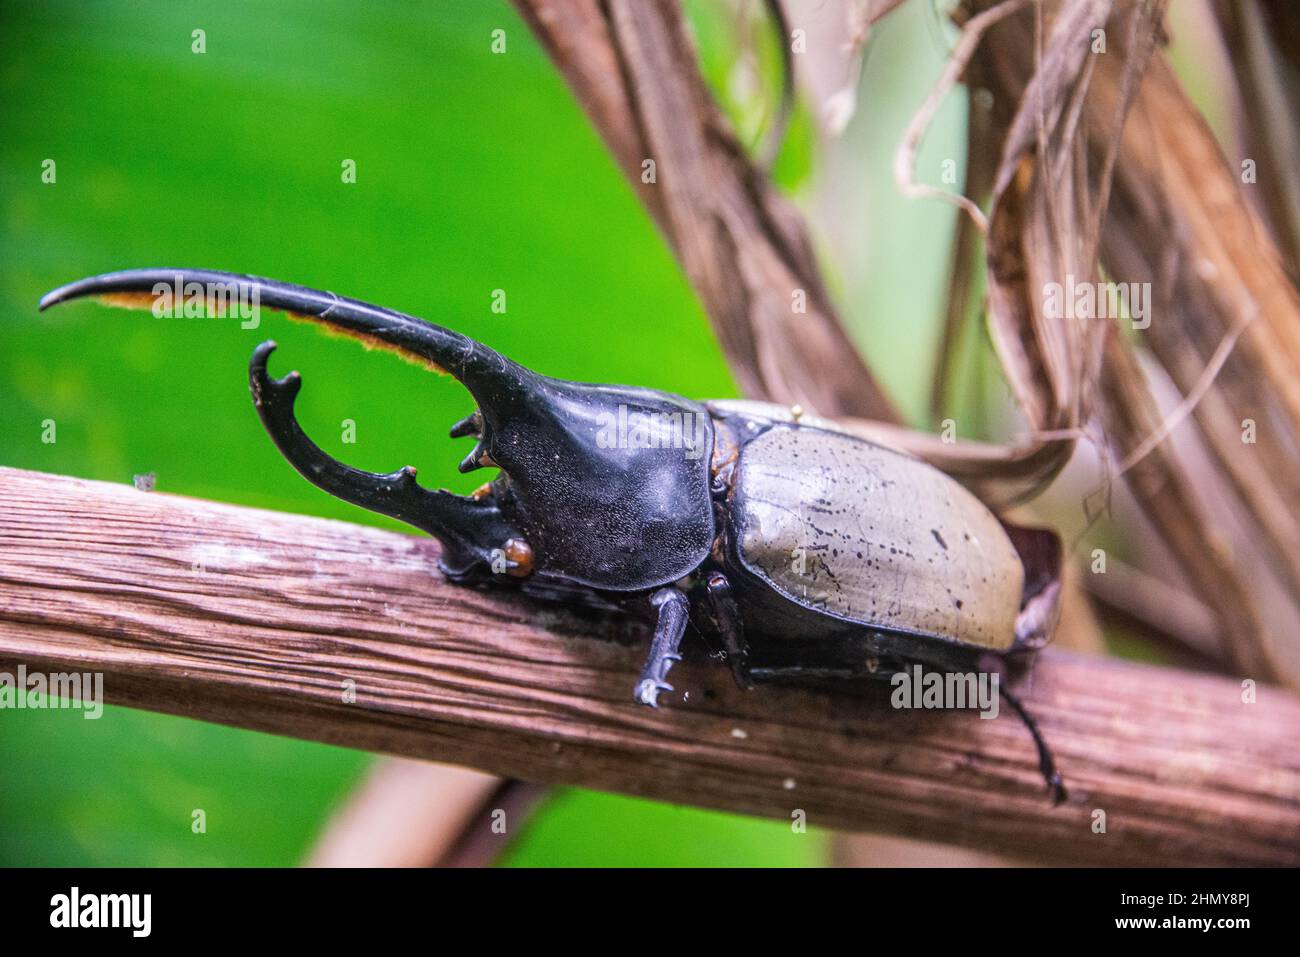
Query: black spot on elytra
{"points": [[939, 538]]}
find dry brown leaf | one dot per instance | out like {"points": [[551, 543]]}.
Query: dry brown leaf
{"points": [[742, 245]]}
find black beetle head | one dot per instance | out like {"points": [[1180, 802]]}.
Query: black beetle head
{"points": [[603, 486]]}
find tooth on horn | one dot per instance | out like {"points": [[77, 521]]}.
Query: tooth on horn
{"points": [[476, 459], [472, 424]]}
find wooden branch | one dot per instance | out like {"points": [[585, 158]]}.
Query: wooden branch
{"points": [[409, 813], [276, 622], [404, 814]]}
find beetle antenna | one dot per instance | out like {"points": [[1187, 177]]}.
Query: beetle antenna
{"points": [[1046, 763]]}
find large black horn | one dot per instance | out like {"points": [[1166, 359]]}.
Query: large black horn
{"points": [[487, 374]]}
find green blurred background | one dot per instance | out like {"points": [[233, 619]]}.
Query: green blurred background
{"points": [[475, 171]]}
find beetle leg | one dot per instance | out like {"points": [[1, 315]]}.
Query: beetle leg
{"points": [[474, 534], [1046, 763], [727, 622], [674, 612]]}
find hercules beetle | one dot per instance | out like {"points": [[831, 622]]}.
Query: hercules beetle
{"points": [[813, 554]]}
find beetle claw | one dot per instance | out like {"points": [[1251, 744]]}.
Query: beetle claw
{"points": [[1056, 788], [647, 691]]}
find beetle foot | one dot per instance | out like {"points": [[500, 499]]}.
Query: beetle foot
{"points": [[1056, 789], [647, 691], [674, 611]]}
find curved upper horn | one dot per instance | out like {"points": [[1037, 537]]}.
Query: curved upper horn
{"points": [[484, 372]]}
